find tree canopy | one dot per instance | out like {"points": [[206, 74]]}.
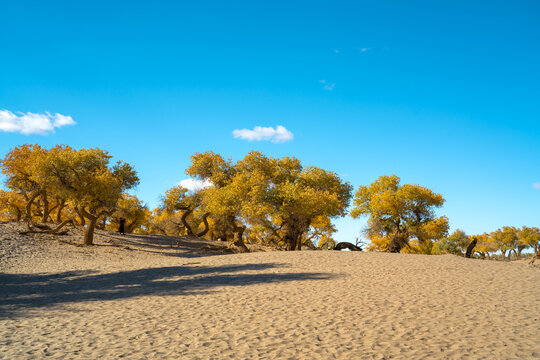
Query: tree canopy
{"points": [[258, 199], [274, 200], [82, 178], [398, 214], [290, 198]]}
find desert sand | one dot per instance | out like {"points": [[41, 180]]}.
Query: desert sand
{"points": [[138, 297]]}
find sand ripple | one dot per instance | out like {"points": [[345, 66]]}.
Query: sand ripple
{"points": [[67, 302]]}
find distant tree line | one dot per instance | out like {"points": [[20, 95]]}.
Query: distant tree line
{"points": [[506, 240], [259, 200]]}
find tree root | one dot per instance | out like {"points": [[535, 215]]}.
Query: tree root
{"points": [[45, 229]]}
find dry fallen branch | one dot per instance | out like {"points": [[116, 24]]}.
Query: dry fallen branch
{"points": [[347, 245], [45, 229]]}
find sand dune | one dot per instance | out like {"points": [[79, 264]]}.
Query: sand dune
{"points": [[151, 300]]}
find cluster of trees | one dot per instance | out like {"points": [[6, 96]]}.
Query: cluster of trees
{"points": [[508, 239], [400, 217], [63, 185], [259, 199]]}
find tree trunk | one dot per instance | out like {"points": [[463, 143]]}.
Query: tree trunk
{"points": [[298, 242], [238, 241], [309, 245], [89, 233], [397, 243], [503, 254], [101, 224], [81, 217], [46, 210], [186, 213], [395, 246], [293, 241], [536, 249], [293, 230], [290, 243], [28, 215], [470, 248], [59, 211], [131, 227], [206, 226]]}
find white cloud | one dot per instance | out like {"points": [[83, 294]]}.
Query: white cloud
{"points": [[277, 135], [31, 123], [536, 185], [364, 49], [327, 86], [195, 185]]}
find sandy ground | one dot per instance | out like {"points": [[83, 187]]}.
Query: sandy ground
{"points": [[136, 297]]}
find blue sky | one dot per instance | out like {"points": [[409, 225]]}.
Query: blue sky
{"points": [[442, 94]]}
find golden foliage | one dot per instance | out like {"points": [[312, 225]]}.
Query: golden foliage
{"points": [[399, 214], [59, 176]]}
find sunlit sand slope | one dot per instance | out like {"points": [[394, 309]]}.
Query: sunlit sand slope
{"points": [[108, 302]]}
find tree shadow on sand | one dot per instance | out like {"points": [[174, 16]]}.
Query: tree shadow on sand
{"points": [[176, 246], [20, 292]]}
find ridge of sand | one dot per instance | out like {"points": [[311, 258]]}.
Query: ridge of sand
{"points": [[152, 301]]}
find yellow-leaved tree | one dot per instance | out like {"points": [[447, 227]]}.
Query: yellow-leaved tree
{"points": [[398, 214], [529, 236], [289, 199], [132, 210], [485, 246], [506, 239], [277, 201], [179, 198], [93, 186], [455, 244], [12, 205], [21, 166], [222, 200]]}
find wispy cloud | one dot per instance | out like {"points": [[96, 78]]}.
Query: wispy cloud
{"points": [[31, 123], [536, 185], [194, 184], [277, 135], [336, 51], [365, 49], [327, 86]]}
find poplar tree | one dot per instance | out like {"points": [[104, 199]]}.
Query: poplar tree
{"points": [[398, 214]]}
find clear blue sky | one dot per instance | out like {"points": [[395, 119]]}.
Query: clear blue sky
{"points": [[445, 94]]}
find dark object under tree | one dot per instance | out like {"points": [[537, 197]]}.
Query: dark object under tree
{"points": [[470, 248], [347, 245]]}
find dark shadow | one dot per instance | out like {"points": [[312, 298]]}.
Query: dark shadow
{"points": [[156, 243], [19, 292]]}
